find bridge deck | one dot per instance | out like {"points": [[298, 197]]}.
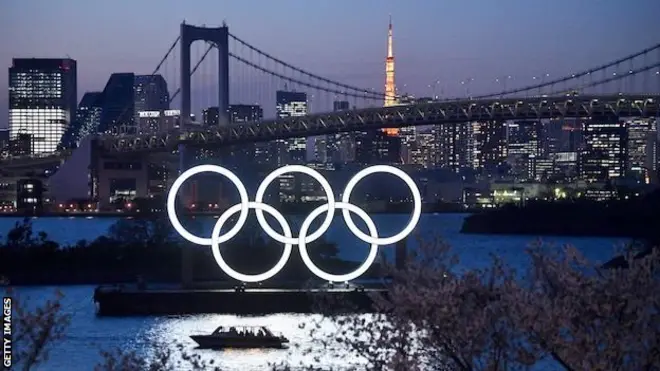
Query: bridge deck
{"points": [[444, 112]]}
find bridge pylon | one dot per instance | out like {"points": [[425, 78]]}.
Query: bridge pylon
{"points": [[220, 37]]}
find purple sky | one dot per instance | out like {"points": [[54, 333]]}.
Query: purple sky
{"points": [[447, 40]]}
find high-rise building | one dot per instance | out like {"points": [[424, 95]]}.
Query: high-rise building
{"points": [[488, 146], [420, 150], [390, 86], [642, 147], [524, 147], [291, 104], [605, 153], [118, 102], [127, 96], [524, 138], [452, 145], [150, 93], [87, 120], [42, 100]]}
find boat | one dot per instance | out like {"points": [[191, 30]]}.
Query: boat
{"points": [[241, 337]]}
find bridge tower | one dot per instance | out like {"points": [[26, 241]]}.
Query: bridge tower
{"points": [[220, 37]]}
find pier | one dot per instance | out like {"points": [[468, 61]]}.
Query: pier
{"points": [[133, 301]]}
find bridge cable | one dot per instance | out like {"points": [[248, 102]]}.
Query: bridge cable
{"points": [[296, 81], [312, 75], [572, 76], [155, 71], [616, 77], [199, 63]]}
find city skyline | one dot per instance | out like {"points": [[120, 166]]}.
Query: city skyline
{"points": [[357, 60]]}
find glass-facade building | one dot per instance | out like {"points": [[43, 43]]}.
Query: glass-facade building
{"points": [[150, 93], [87, 120], [118, 102], [127, 95], [42, 100]]}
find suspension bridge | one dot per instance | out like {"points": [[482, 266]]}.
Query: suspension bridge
{"points": [[626, 87]]}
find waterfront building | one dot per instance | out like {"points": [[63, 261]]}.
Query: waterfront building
{"points": [[605, 154], [42, 100], [642, 149]]}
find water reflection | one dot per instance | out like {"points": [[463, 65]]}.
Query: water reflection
{"points": [[296, 328]]}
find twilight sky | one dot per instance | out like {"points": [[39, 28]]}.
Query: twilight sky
{"points": [[446, 40]]}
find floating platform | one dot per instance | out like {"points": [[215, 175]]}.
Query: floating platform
{"points": [[115, 301]]}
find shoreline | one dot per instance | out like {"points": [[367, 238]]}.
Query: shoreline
{"points": [[540, 234], [202, 214]]}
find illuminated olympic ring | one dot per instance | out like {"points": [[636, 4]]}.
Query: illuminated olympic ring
{"points": [[287, 239]]}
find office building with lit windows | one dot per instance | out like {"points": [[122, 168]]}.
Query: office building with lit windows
{"points": [[452, 145], [642, 148], [86, 122], [291, 104], [42, 100], [127, 95], [488, 146], [524, 147], [150, 93], [605, 154]]}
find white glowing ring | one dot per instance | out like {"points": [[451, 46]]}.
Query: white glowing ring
{"points": [[417, 208], [296, 169], [373, 252], [171, 204], [215, 246], [303, 239]]}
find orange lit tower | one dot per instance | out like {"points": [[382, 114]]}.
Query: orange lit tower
{"points": [[390, 90]]}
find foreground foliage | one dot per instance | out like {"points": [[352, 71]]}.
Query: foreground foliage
{"points": [[562, 313]]}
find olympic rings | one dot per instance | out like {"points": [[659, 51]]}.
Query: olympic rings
{"points": [[296, 169], [287, 239], [171, 203], [417, 208], [215, 247], [373, 252]]}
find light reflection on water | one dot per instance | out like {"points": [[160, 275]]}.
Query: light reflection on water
{"points": [[174, 330], [88, 333]]}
